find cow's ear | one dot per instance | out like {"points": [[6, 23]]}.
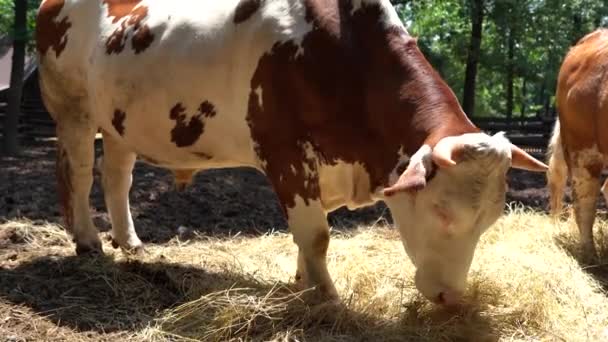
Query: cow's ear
{"points": [[414, 177], [411, 180]]}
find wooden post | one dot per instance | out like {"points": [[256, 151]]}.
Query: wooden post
{"points": [[13, 110]]}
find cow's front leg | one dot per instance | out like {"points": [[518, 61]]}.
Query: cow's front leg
{"points": [[308, 224], [117, 169]]}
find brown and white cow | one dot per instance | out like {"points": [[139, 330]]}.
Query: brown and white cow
{"points": [[578, 147], [331, 99]]}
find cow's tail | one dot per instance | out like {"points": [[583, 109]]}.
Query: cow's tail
{"points": [[557, 174]]}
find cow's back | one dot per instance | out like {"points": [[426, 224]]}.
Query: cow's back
{"points": [[180, 71], [582, 94]]}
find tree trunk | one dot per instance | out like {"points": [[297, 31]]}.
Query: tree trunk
{"points": [[470, 80], [11, 122], [577, 30], [524, 97], [510, 72]]}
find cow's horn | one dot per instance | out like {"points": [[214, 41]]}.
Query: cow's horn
{"points": [[445, 151], [520, 159]]}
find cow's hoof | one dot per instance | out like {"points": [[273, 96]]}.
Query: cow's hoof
{"points": [[316, 294], [321, 295], [136, 248], [89, 249], [135, 251], [327, 294], [132, 245], [299, 281], [316, 299], [589, 253]]}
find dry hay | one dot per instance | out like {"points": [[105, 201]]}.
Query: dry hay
{"points": [[528, 281]]}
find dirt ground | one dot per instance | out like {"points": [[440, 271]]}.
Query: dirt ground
{"points": [[217, 203]]}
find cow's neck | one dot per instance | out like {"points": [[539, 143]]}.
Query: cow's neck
{"points": [[413, 97], [354, 90], [379, 62]]}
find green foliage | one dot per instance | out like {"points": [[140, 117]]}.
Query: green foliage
{"points": [[7, 15], [443, 40], [542, 32]]}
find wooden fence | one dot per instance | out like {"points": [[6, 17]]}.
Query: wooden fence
{"points": [[34, 121], [532, 134]]}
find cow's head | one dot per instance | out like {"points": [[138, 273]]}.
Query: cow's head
{"points": [[445, 199]]}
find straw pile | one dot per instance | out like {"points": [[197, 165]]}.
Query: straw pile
{"points": [[528, 281]]}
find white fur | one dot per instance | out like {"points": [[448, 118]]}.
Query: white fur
{"points": [[557, 175], [472, 193], [344, 184], [391, 18], [307, 223]]}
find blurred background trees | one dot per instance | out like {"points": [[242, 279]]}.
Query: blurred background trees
{"points": [[16, 27], [501, 57]]}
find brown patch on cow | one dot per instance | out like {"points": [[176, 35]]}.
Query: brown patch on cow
{"points": [[49, 32], [64, 186], [119, 9], [355, 91], [187, 133], [142, 39], [321, 243], [245, 9], [131, 26], [118, 121], [203, 155], [595, 168]]}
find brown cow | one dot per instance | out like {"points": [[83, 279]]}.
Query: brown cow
{"points": [[579, 147], [331, 99]]}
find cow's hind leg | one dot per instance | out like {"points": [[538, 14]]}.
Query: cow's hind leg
{"points": [[585, 189], [557, 174], [75, 158], [308, 224], [117, 177]]}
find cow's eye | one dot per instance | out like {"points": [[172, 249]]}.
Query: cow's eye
{"points": [[431, 173]]}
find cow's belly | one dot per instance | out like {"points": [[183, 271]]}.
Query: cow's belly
{"points": [[176, 111], [180, 131]]}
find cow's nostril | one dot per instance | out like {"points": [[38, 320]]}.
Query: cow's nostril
{"points": [[448, 298], [441, 298]]}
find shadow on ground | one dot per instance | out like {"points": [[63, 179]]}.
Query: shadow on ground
{"points": [[219, 201], [223, 201], [594, 265], [100, 295]]}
